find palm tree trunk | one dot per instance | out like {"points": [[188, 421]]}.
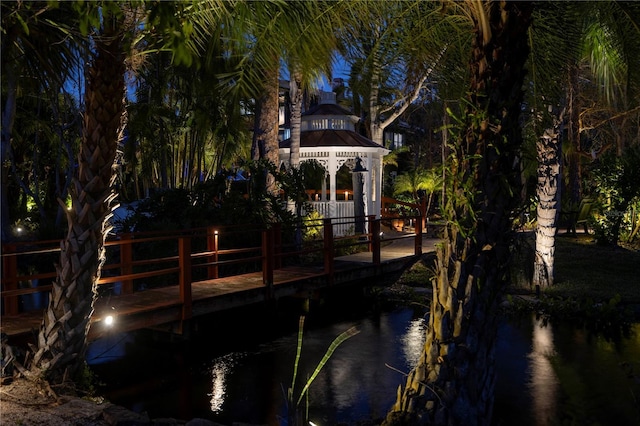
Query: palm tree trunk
{"points": [[265, 136], [62, 337], [453, 383], [295, 91], [549, 149], [376, 131]]}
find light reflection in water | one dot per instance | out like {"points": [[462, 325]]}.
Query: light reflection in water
{"points": [[220, 369], [543, 382], [413, 341]]}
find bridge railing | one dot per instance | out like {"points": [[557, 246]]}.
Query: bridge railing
{"points": [[142, 260]]}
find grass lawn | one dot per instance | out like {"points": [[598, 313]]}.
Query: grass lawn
{"points": [[586, 270]]}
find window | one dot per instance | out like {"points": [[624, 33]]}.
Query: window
{"points": [[398, 140]]}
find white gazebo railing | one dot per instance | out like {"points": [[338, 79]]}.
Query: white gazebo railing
{"points": [[336, 210]]}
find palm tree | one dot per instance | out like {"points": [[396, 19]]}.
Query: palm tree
{"points": [[257, 35], [416, 180], [62, 335], [308, 54], [564, 37], [555, 40], [549, 150], [454, 379]]}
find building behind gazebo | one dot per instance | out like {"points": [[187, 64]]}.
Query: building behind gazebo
{"points": [[328, 136]]}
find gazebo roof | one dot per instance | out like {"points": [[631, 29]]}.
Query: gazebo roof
{"points": [[331, 138], [327, 109]]}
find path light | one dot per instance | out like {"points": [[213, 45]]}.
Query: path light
{"points": [[109, 320]]}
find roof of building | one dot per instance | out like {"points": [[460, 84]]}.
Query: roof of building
{"points": [[333, 138], [327, 109]]}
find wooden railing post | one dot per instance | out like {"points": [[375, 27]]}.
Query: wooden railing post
{"points": [[267, 260], [277, 243], [213, 245], [418, 229], [184, 255], [328, 249], [9, 277], [375, 239], [370, 219], [424, 214], [126, 261]]}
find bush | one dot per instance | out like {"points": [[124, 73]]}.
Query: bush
{"points": [[615, 181]]}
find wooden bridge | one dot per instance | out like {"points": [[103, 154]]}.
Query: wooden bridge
{"points": [[163, 279]]}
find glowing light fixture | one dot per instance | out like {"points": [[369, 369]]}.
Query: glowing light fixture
{"points": [[109, 320]]}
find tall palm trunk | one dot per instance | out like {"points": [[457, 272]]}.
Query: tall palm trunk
{"points": [[376, 131], [62, 337], [265, 135], [549, 151], [295, 90], [453, 383]]}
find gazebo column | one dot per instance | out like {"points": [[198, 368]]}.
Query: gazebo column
{"points": [[370, 187], [333, 170], [376, 186], [323, 194], [361, 195]]}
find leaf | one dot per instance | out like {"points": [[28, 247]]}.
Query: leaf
{"points": [[299, 350], [334, 345], [25, 27]]}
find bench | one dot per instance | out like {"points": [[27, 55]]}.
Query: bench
{"points": [[580, 216]]}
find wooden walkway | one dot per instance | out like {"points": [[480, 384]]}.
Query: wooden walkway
{"points": [[163, 307]]}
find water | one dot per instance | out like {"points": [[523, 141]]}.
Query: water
{"points": [[559, 374], [547, 374]]}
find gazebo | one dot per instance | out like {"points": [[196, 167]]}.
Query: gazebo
{"points": [[328, 135]]}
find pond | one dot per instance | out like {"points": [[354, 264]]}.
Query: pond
{"points": [[237, 367]]}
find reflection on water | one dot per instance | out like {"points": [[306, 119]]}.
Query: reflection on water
{"points": [[546, 374], [219, 371], [413, 340], [543, 383], [551, 374]]}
